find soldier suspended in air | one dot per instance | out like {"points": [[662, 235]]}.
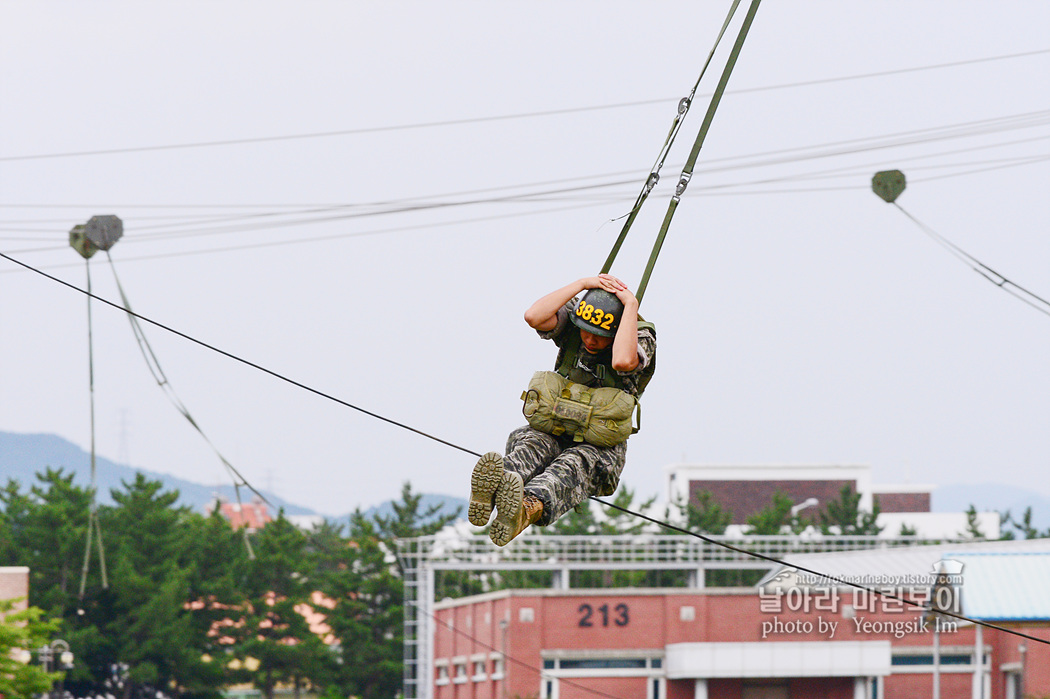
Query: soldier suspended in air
{"points": [[579, 415]]}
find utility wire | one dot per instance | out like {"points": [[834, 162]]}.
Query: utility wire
{"points": [[720, 190], [1034, 300], [315, 213], [165, 385], [506, 117], [666, 525], [749, 160]]}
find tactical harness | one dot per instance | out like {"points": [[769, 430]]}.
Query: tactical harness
{"points": [[558, 403]]}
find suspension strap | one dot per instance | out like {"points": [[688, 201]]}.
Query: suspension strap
{"points": [[687, 171], [94, 529], [676, 125]]}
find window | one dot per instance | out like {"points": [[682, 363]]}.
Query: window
{"points": [[1013, 685], [602, 664], [624, 663], [946, 659], [479, 670]]}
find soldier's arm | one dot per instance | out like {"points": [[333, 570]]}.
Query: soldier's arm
{"points": [[625, 344], [543, 314]]}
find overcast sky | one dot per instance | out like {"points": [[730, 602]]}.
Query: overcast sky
{"points": [[335, 208]]}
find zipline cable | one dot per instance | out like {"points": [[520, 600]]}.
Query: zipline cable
{"points": [[235, 357], [818, 574], [666, 525]]}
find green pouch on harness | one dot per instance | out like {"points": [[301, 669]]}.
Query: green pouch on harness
{"points": [[598, 416]]}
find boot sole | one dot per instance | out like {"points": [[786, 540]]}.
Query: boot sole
{"points": [[484, 482], [509, 498]]}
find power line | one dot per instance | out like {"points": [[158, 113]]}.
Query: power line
{"points": [[759, 159], [722, 190], [504, 117], [665, 525], [1034, 300]]}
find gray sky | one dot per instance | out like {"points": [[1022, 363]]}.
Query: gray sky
{"points": [[800, 318]]}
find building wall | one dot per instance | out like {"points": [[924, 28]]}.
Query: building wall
{"points": [[550, 626], [903, 502], [744, 498], [14, 585]]}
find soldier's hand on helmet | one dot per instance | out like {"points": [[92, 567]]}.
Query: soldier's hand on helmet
{"points": [[610, 283], [617, 287]]}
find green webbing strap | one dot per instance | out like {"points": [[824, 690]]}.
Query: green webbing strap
{"points": [[687, 171], [676, 125]]}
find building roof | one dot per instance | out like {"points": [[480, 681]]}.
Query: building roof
{"points": [[891, 565], [1005, 585], [253, 515], [998, 580]]}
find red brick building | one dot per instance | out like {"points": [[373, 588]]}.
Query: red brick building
{"points": [[254, 514], [14, 585], [788, 639], [746, 489]]}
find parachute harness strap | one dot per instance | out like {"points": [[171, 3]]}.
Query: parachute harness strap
{"points": [[687, 171], [676, 125]]}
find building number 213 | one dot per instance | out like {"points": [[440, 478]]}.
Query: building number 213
{"points": [[619, 617]]}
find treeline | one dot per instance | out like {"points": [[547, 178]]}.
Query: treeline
{"points": [[191, 607]]}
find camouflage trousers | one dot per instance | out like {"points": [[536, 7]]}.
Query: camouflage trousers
{"points": [[562, 473]]}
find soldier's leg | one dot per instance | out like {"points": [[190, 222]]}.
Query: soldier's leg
{"points": [[577, 473], [528, 453]]}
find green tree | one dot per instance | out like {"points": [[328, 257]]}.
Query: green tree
{"points": [[20, 633], [147, 613], [364, 609], [973, 528], [1024, 526], [45, 529], [844, 516], [411, 519], [703, 514], [275, 643], [773, 518], [218, 563], [614, 521]]}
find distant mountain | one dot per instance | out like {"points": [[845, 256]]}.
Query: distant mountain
{"points": [[449, 504], [22, 456], [993, 496]]}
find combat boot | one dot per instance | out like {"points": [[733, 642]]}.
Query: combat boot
{"points": [[486, 479], [514, 510]]}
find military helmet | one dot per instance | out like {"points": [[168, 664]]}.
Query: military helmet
{"points": [[598, 312]]}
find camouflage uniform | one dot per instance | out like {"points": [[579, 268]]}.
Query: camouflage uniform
{"points": [[562, 473]]}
